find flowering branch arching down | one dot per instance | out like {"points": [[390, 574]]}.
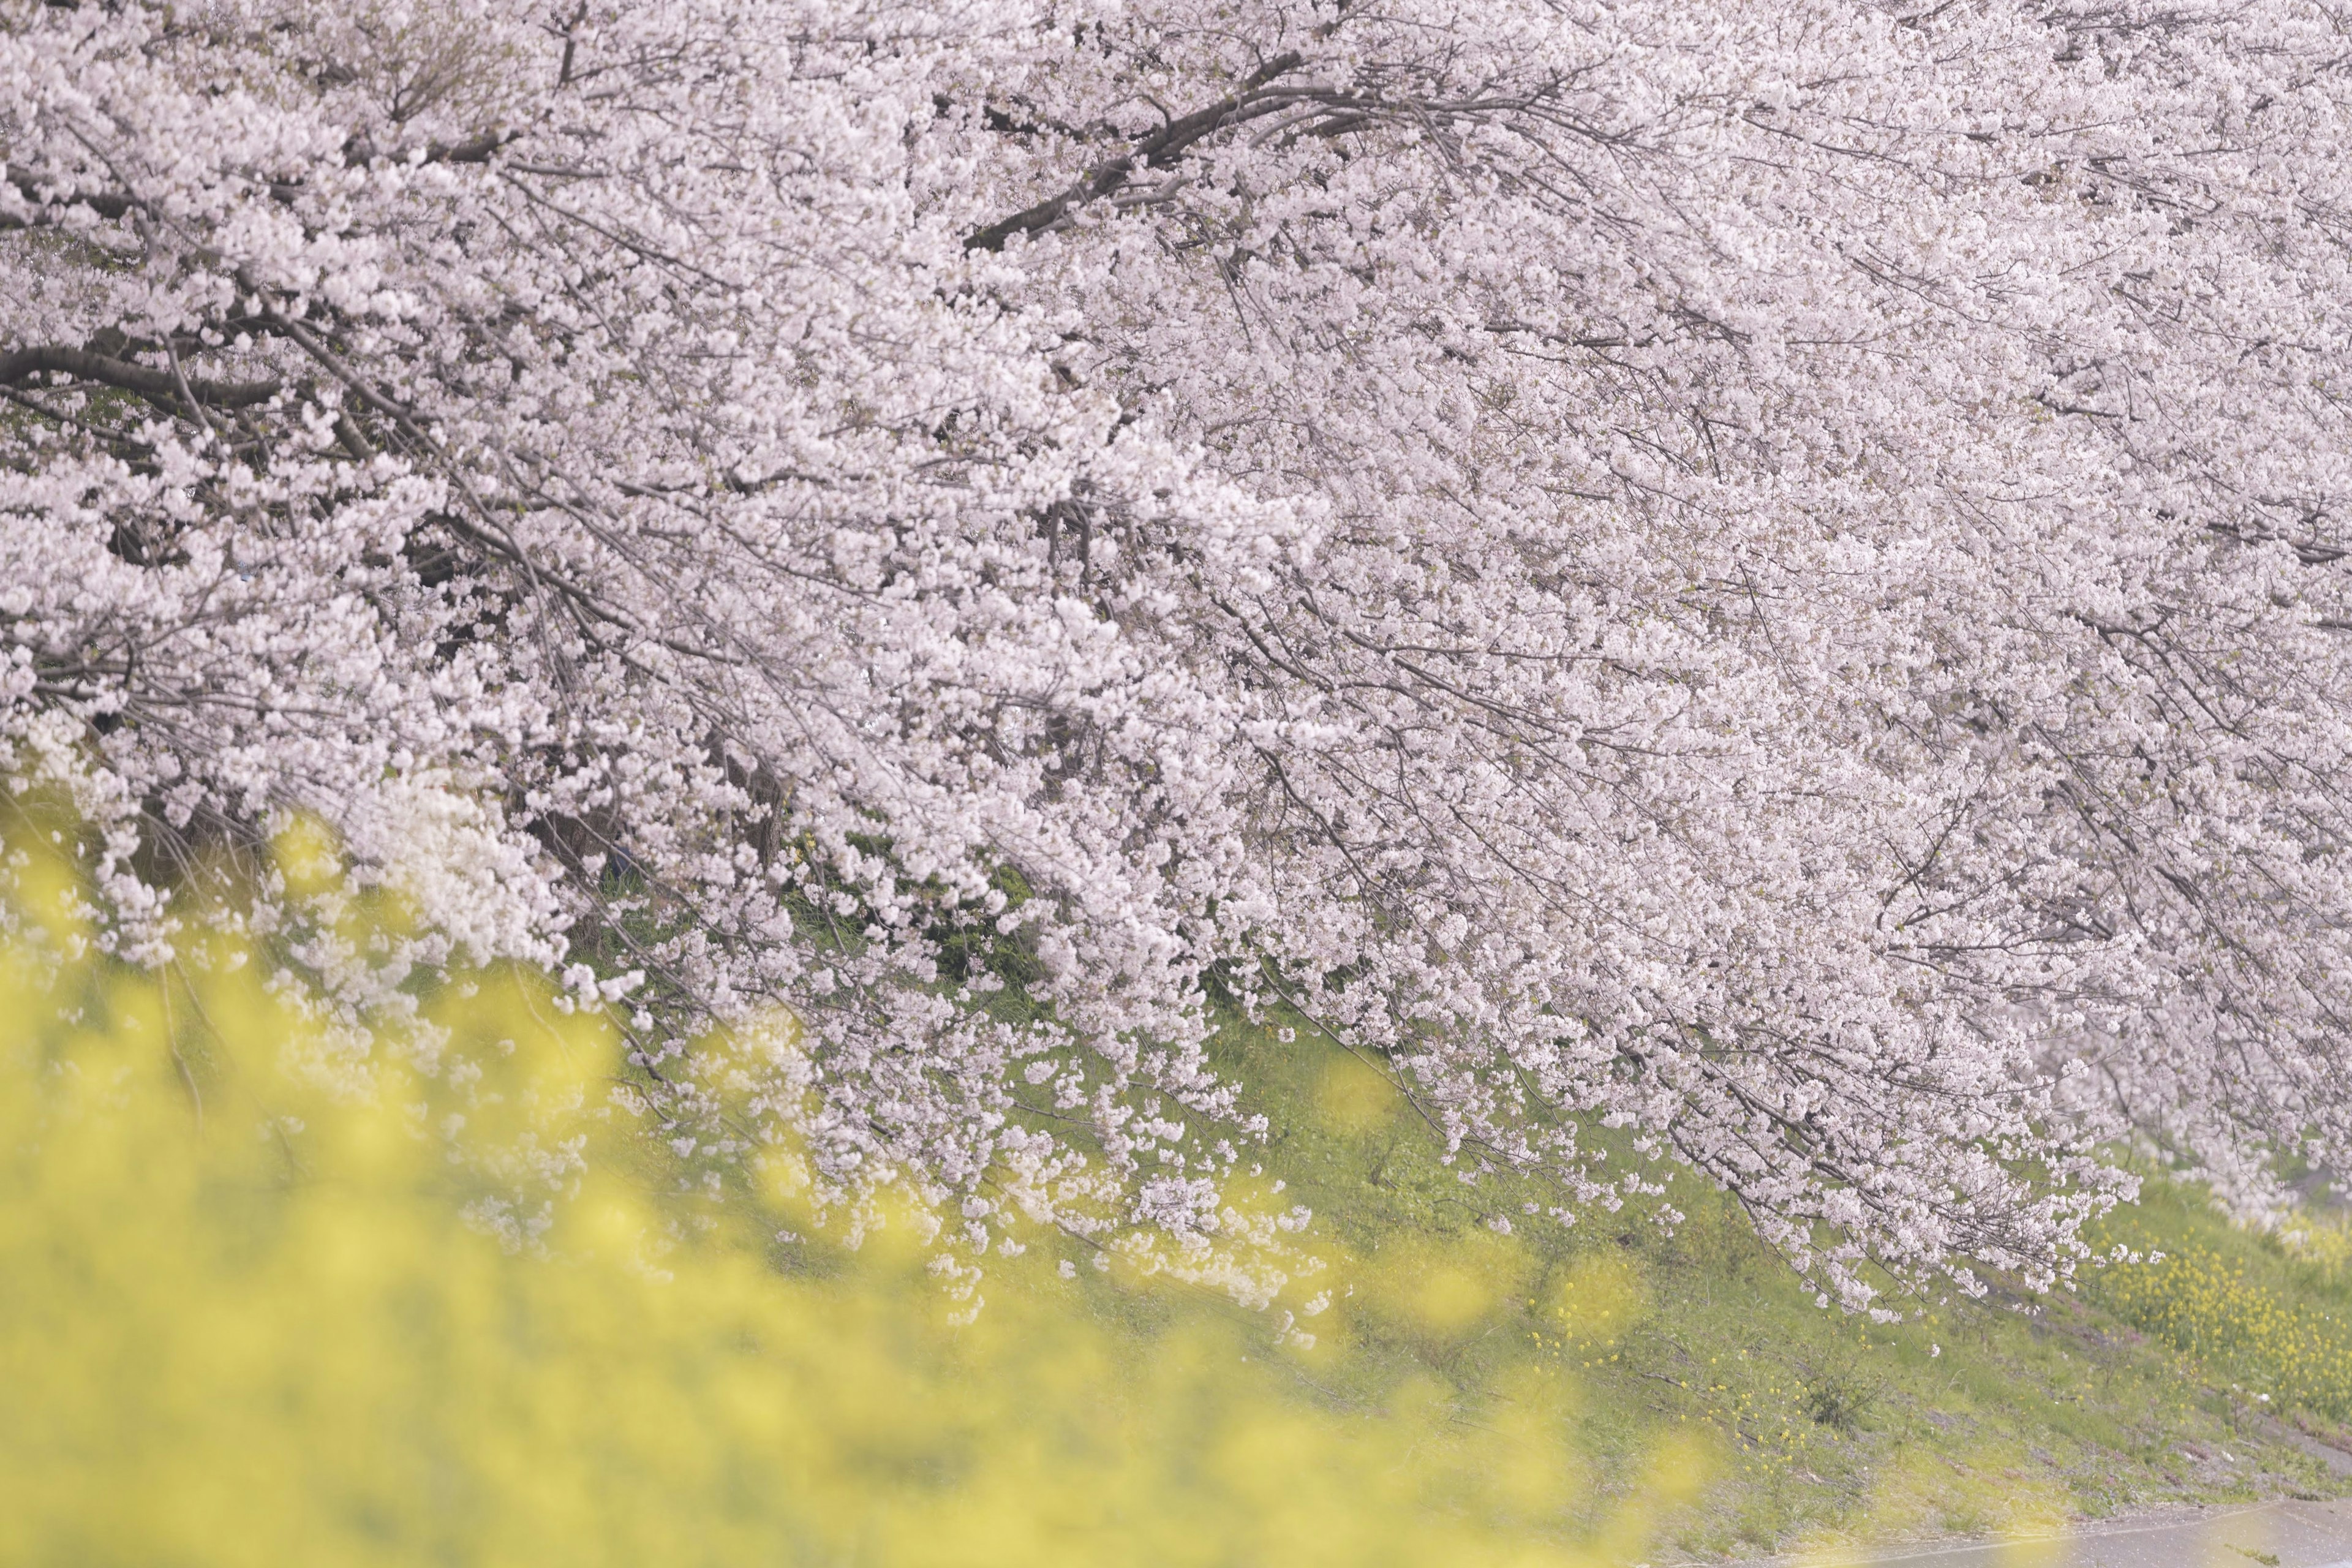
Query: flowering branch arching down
{"points": [[1768, 574]]}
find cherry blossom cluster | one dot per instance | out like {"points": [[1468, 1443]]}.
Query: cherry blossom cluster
{"points": [[1768, 574]]}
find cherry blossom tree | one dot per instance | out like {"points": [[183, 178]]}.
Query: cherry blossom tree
{"points": [[1767, 575]]}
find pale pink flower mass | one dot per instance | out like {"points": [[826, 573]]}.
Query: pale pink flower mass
{"points": [[1770, 573]]}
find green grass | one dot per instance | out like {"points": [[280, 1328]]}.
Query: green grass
{"points": [[2271, 1315], [2009, 1414]]}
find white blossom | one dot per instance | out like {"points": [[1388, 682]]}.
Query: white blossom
{"points": [[1768, 573]]}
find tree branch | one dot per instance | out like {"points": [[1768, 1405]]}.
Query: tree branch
{"points": [[107, 204], [160, 385], [1163, 146]]}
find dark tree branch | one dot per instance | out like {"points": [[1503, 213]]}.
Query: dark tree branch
{"points": [[472, 150], [1162, 147], [158, 386], [107, 204]]}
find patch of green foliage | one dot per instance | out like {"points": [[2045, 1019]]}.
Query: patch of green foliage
{"points": [[2270, 1312], [2008, 1414]]}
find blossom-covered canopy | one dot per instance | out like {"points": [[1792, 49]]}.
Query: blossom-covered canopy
{"points": [[1770, 573]]}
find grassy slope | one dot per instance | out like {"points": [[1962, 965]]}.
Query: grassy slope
{"points": [[1815, 1426]]}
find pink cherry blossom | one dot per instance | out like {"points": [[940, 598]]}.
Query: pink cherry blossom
{"points": [[1768, 574]]}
